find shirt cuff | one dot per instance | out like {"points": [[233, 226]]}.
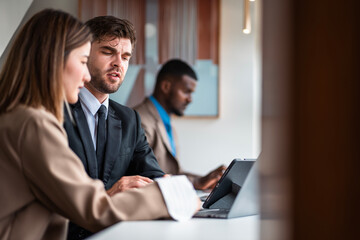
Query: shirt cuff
{"points": [[179, 195]]}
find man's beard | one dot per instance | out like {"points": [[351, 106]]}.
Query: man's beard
{"points": [[174, 106], [102, 86], [177, 112]]}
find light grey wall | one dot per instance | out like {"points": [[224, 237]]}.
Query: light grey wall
{"points": [[11, 14], [15, 11]]}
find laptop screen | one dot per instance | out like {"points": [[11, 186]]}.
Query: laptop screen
{"points": [[231, 182]]}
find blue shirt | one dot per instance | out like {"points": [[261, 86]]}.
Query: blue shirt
{"points": [[166, 120]]}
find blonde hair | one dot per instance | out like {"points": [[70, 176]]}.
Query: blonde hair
{"points": [[32, 73]]}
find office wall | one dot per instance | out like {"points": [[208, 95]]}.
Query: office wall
{"points": [[207, 143], [15, 12], [11, 12], [70, 6]]}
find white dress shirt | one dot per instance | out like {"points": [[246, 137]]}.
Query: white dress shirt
{"points": [[90, 105]]}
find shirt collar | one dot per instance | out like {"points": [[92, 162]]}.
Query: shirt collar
{"points": [[91, 102], [163, 114]]}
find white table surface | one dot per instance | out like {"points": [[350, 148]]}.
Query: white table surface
{"points": [[246, 228]]}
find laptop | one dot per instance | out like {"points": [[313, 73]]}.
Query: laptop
{"points": [[235, 194]]}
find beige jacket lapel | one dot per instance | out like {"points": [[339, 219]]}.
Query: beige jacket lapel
{"points": [[160, 125]]}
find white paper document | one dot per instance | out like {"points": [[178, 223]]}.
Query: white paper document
{"points": [[179, 195]]}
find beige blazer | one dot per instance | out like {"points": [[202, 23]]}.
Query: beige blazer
{"points": [[43, 183], [157, 137]]}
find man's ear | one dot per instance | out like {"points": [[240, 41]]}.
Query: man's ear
{"points": [[165, 86]]}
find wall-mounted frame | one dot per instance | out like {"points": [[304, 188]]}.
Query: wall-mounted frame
{"points": [[166, 29]]}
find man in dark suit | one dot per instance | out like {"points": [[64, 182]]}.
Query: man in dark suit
{"points": [[108, 137]]}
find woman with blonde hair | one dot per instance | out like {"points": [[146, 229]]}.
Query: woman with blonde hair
{"points": [[42, 181]]}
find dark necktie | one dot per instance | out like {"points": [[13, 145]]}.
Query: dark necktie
{"points": [[101, 139]]}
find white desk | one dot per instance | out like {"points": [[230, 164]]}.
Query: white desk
{"points": [[246, 228]]}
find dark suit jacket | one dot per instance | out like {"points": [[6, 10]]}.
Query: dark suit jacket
{"points": [[127, 150]]}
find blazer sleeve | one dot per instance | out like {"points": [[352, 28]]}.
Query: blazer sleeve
{"points": [[58, 180], [144, 160]]}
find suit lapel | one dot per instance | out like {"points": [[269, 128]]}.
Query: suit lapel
{"points": [[85, 136], [160, 125], [113, 144], [164, 135]]}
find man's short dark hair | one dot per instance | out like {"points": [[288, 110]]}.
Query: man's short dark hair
{"points": [[175, 68], [109, 26]]}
